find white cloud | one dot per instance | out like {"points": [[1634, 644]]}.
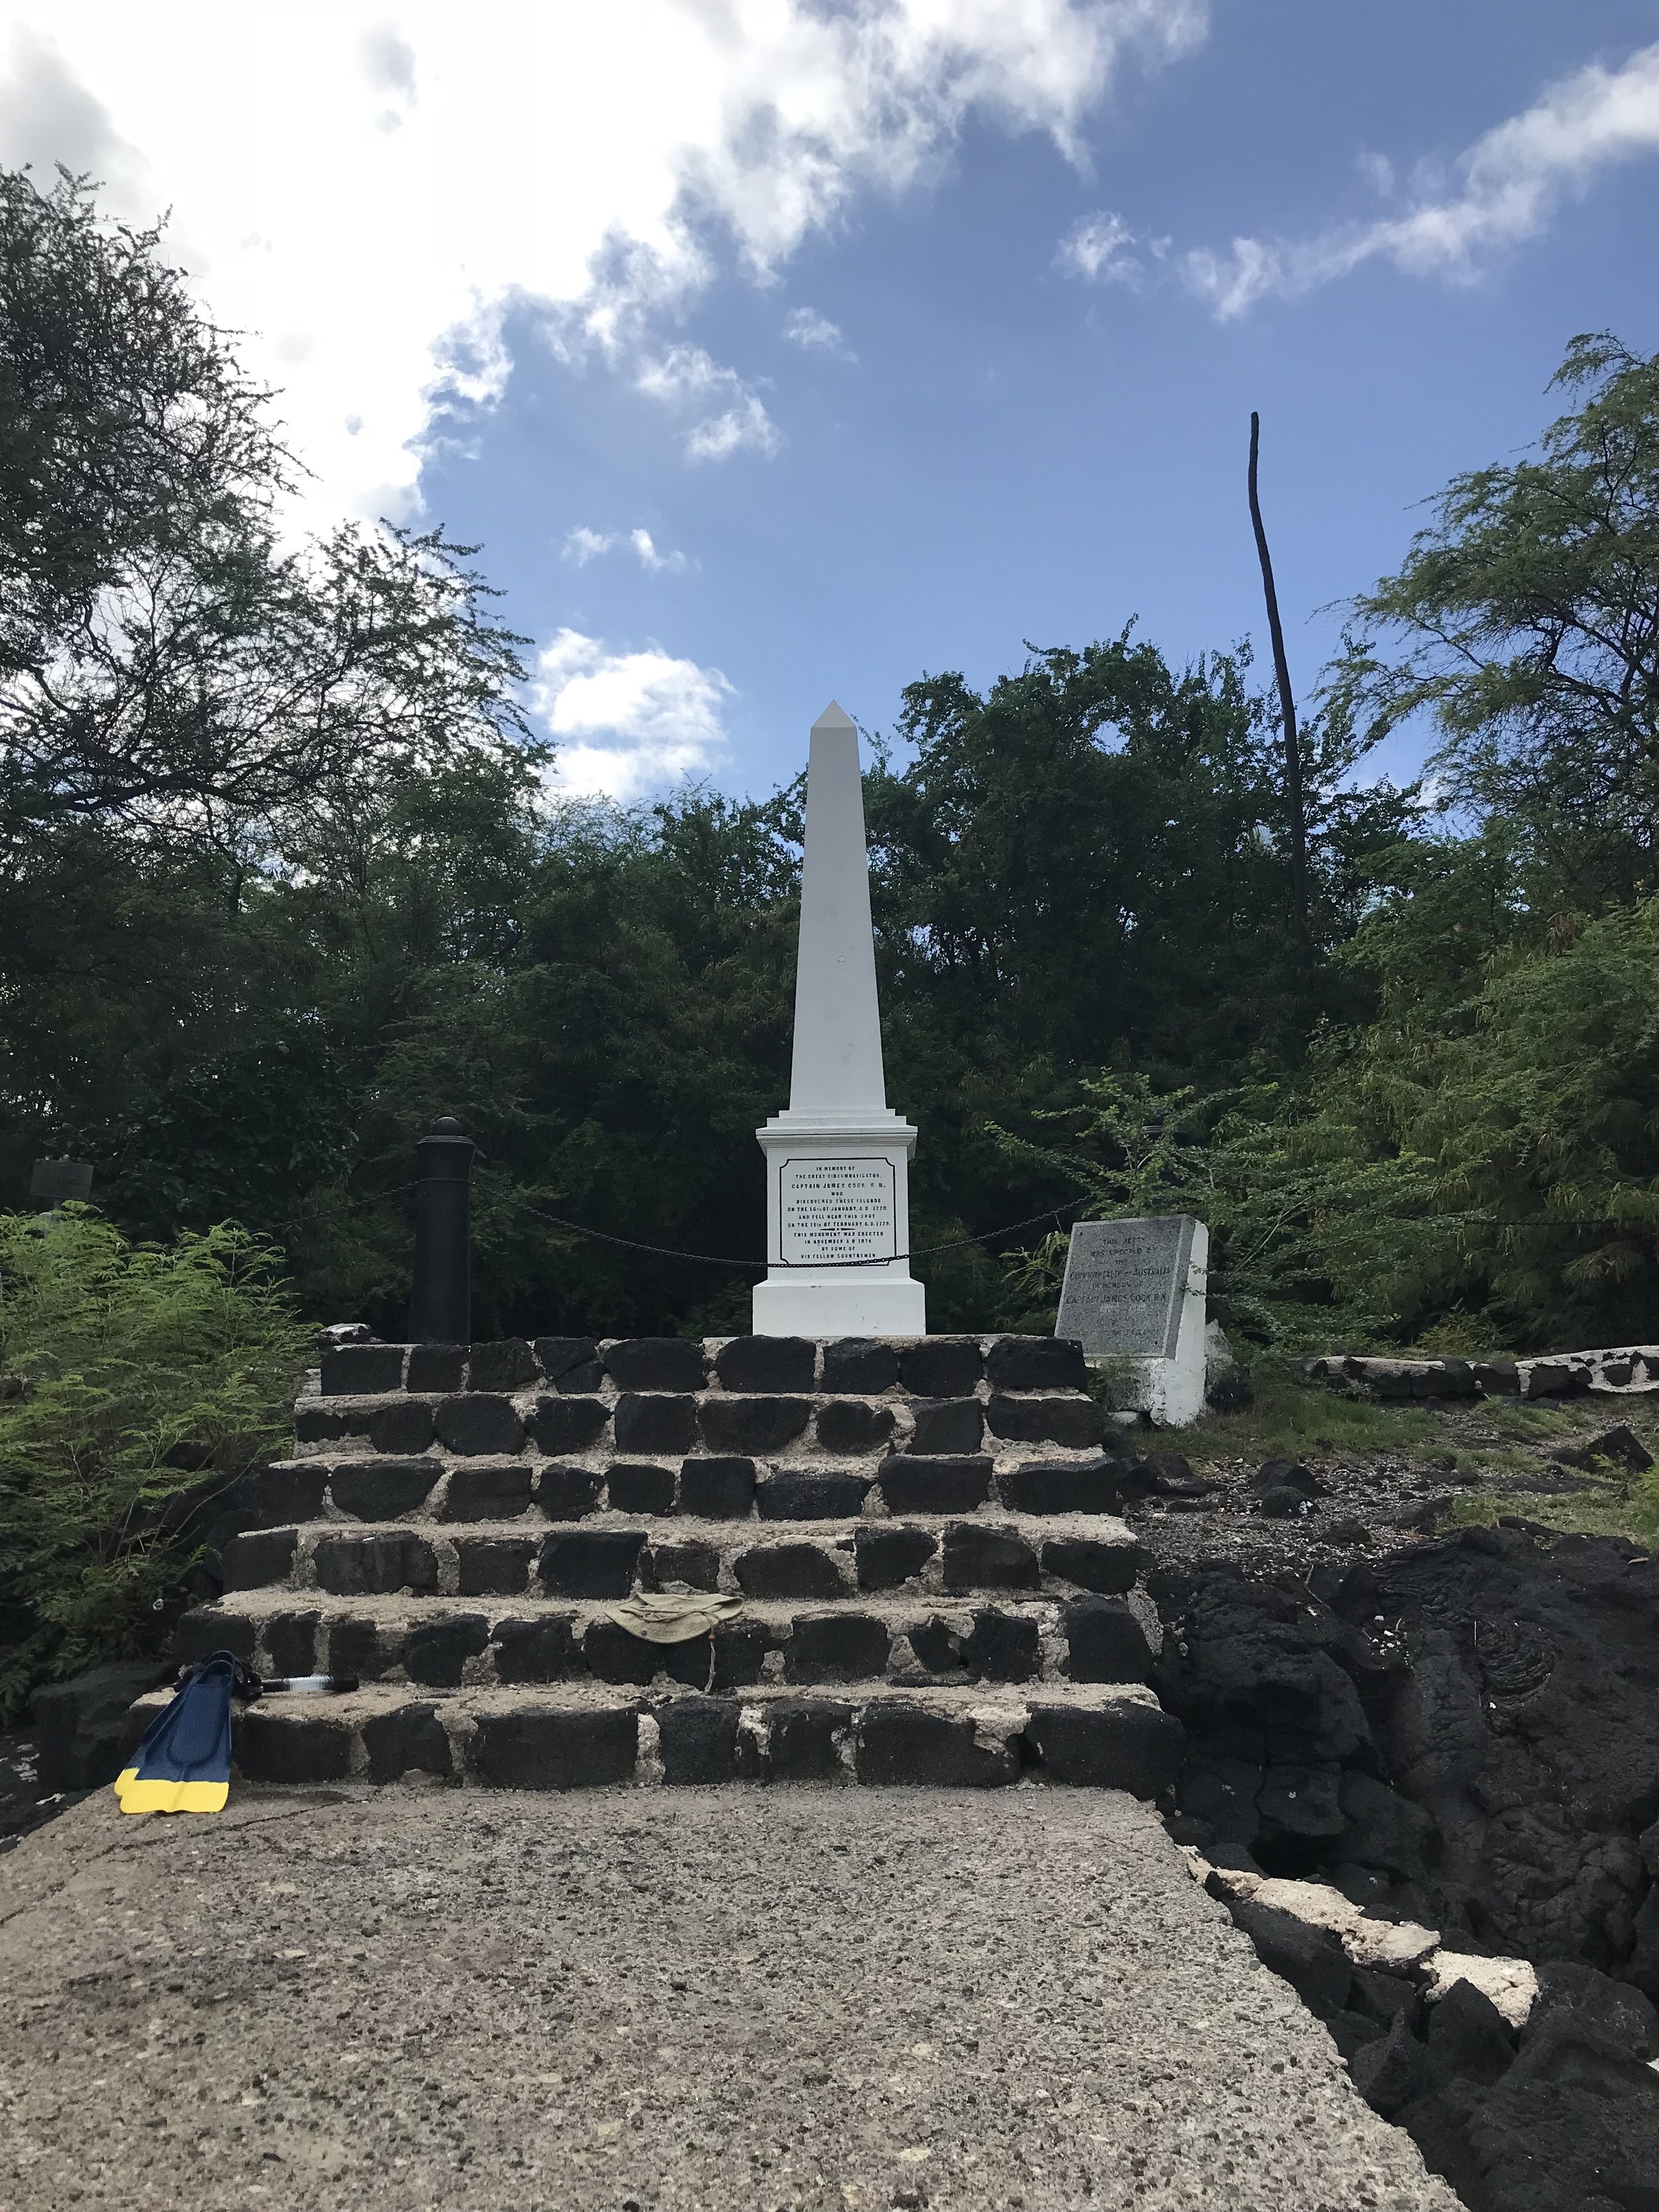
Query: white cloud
{"points": [[1511, 181], [1097, 248], [582, 545], [686, 376], [813, 331], [626, 722], [746, 428], [365, 192], [648, 555], [1378, 170]]}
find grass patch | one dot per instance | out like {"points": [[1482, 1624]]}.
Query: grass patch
{"points": [[1291, 1417], [1610, 1511]]}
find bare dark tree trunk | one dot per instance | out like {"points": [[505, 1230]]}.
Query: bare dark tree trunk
{"points": [[1287, 709]]}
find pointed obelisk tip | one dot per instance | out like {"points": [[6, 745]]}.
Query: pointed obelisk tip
{"points": [[833, 717]]}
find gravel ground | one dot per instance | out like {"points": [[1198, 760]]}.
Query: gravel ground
{"points": [[737, 1999]]}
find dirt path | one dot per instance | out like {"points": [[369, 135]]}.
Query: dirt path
{"points": [[737, 1999]]}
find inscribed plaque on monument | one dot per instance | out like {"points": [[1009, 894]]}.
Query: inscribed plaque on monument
{"points": [[836, 1209], [56, 1180], [1124, 1284]]}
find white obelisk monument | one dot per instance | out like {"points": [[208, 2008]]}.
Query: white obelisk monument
{"points": [[838, 1163]]}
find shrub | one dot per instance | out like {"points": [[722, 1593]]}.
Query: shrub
{"points": [[134, 1380]]}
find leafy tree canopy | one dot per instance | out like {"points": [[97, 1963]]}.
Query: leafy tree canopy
{"points": [[1526, 622]]}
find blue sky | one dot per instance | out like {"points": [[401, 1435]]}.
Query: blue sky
{"points": [[773, 351]]}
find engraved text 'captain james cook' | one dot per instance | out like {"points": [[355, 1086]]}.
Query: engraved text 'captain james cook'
{"points": [[836, 1210]]}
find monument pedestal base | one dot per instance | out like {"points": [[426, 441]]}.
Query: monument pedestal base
{"points": [[837, 1191], [847, 1304]]}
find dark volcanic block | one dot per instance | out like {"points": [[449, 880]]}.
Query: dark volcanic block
{"points": [[376, 1566], [435, 1651], [938, 1485], [269, 1748], [493, 1566], [199, 1633], [657, 1363], [788, 1570], [382, 1489], [848, 1426], [640, 1488], [1090, 1565], [941, 1366], [752, 1425], [566, 1424], [506, 1364], [615, 1655], [475, 1423], [1128, 1747], [319, 1425], [555, 1751], [1105, 1641], [1059, 1485], [898, 1741], [947, 1424], [766, 1362], [362, 1371], [978, 1557], [405, 1425], [539, 1651], [717, 1489], [1003, 1647], [655, 1425], [740, 1649], [493, 1490], [836, 1647], [591, 1562], [290, 1641], [691, 1662], [1469, 2036], [697, 1565], [282, 1492], [800, 1739], [260, 1558], [1077, 1423], [565, 1493], [1035, 1362], [1311, 1959], [812, 1497], [436, 1367], [938, 1647], [406, 1741], [570, 1362], [888, 1556], [699, 1737], [353, 1649], [860, 1364]]}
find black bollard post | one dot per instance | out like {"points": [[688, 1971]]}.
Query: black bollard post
{"points": [[440, 1301]]}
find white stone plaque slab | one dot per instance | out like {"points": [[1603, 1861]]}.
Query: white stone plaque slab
{"points": [[836, 1210], [1123, 1284], [1137, 1288]]}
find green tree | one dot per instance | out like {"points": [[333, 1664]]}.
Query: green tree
{"points": [[1525, 621], [131, 1378]]}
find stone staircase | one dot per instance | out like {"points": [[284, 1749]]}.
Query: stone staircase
{"points": [[935, 1585]]}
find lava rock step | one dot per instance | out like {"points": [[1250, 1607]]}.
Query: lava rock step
{"points": [[725, 1486], [924, 1367], [472, 1423], [443, 1643], [783, 1559], [589, 1737]]}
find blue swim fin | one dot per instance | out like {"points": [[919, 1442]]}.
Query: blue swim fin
{"points": [[183, 1765]]}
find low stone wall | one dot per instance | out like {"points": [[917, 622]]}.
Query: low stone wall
{"points": [[1625, 1370]]}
